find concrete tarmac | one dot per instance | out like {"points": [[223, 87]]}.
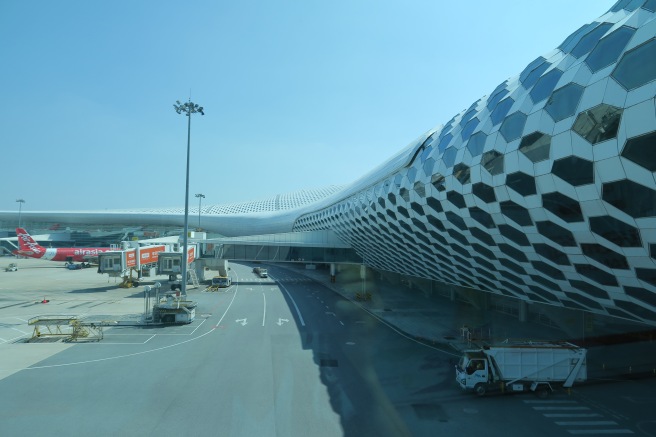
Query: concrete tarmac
{"points": [[284, 356]]}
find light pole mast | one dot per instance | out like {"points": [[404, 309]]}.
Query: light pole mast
{"points": [[200, 198], [187, 109], [20, 207]]}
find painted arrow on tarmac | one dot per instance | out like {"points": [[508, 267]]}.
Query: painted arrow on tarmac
{"points": [[281, 321], [242, 321]]}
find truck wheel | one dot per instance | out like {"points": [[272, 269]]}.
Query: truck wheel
{"points": [[480, 389], [542, 392]]}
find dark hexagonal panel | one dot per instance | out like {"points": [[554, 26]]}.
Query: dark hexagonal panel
{"points": [[556, 233], [482, 250], [574, 170], [590, 289], [647, 275], [605, 256], [514, 235], [636, 309], [512, 266], [512, 126], [476, 143], [483, 236], [642, 150], [456, 198], [609, 48], [482, 217], [585, 301], [522, 183], [634, 199], [552, 254], [545, 85], [597, 275], [650, 5], [516, 213], [536, 146], [515, 254], [417, 208], [392, 198], [548, 270], [646, 296], [492, 161], [459, 238], [484, 192], [562, 206], [456, 220], [435, 204], [599, 123], [615, 231], [637, 66], [589, 40], [462, 173], [563, 101]]}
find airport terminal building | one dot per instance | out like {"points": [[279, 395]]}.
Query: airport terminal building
{"points": [[541, 193]]}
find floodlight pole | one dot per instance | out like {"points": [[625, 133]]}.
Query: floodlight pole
{"points": [[200, 197], [187, 109], [20, 207]]}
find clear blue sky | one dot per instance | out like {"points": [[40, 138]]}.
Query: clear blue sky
{"points": [[298, 94]]}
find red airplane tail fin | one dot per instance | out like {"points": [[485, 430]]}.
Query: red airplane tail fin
{"points": [[26, 243]]}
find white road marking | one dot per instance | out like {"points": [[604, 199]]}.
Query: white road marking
{"points": [[300, 317], [264, 314]]}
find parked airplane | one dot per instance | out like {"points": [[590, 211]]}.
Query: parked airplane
{"points": [[30, 248]]}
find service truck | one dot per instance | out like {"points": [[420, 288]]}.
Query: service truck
{"points": [[221, 281], [526, 366]]}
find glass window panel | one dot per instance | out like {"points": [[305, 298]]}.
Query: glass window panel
{"points": [[563, 101], [599, 123], [637, 67], [492, 161], [516, 213], [484, 192], [609, 48], [642, 151], [461, 172], [536, 146], [556, 233], [512, 126], [574, 170], [469, 128], [605, 256], [476, 143], [552, 254], [501, 110], [634, 199], [545, 85], [615, 231], [567, 209], [589, 40], [522, 183]]}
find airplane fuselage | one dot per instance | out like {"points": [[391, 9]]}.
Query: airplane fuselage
{"points": [[77, 254]]}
